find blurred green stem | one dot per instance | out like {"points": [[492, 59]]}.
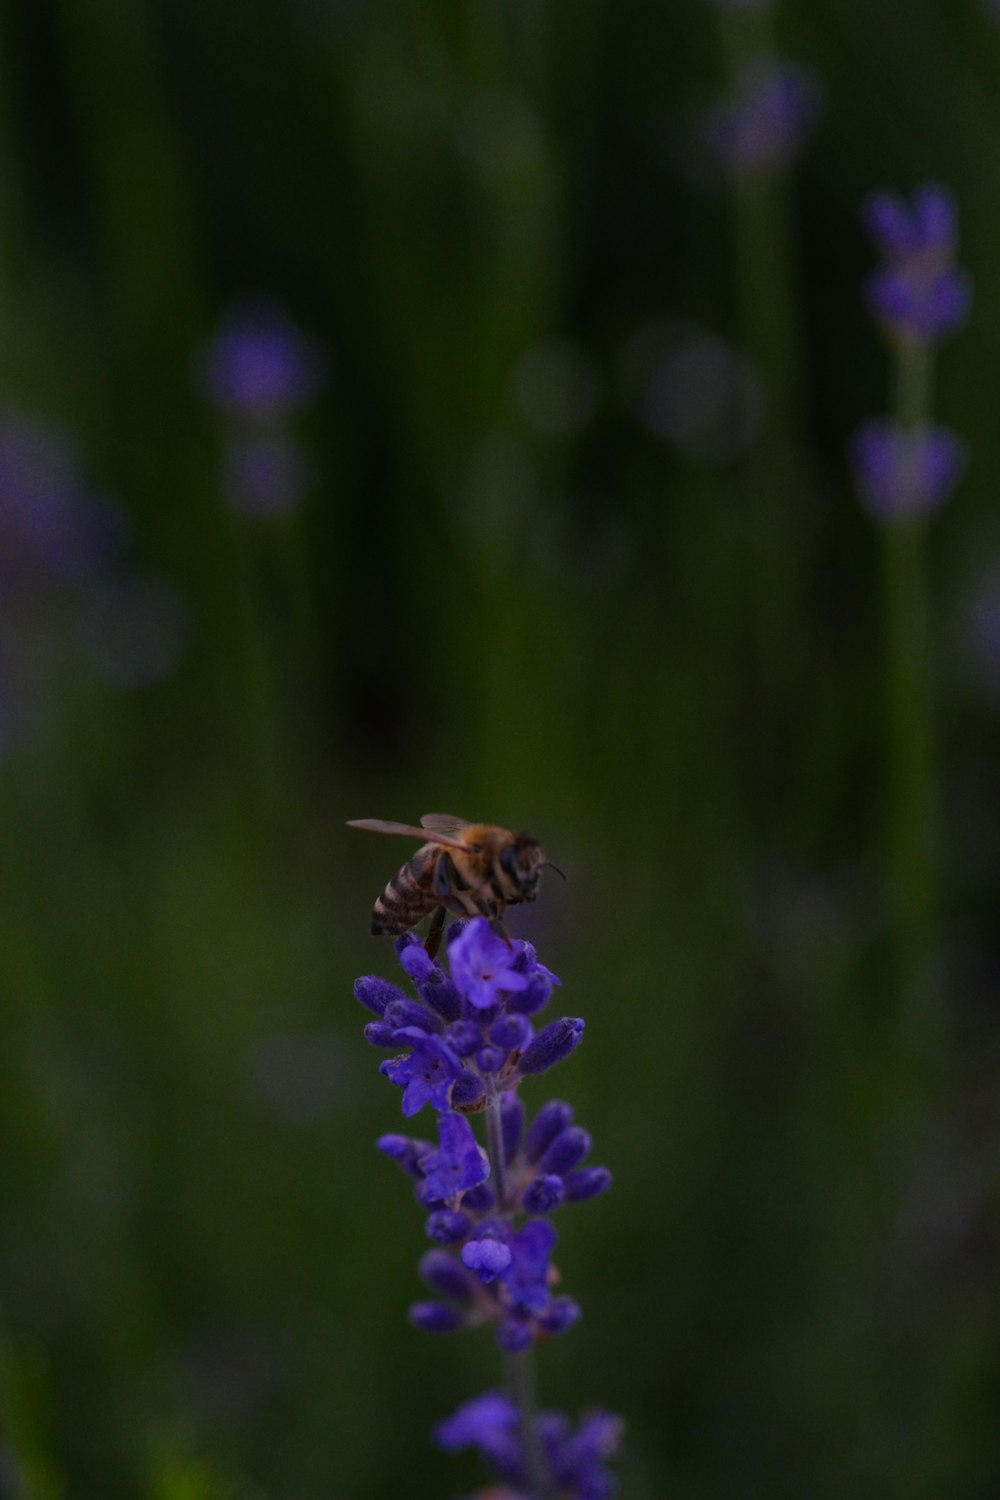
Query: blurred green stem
{"points": [[767, 302], [520, 1367], [911, 811], [521, 1384]]}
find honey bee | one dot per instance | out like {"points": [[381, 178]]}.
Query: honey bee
{"points": [[467, 869]]}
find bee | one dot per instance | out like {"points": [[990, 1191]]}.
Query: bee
{"points": [[467, 869]]}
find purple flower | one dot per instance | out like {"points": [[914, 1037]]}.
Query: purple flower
{"points": [[444, 1275], [489, 1423], [526, 1279], [547, 1124], [919, 295], [407, 1152], [483, 966], [551, 1045], [901, 473], [375, 993], [689, 387], [924, 230], [767, 118], [426, 1075], [436, 1317], [448, 1226], [258, 364], [405, 1013], [415, 960], [50, 526], [575, 1459], [588, 1182], [487, 1256], [459, 1164], [471, 1044], [919, 305], [567, 1151]]}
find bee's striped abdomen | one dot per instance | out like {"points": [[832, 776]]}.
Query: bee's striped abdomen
{"points": [[408, 897]]}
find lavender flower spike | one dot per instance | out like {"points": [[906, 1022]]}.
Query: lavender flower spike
{"points": [[467, 1044], [766, 119], [259, 365], [918, 295], [900, 473], [905, 467]]}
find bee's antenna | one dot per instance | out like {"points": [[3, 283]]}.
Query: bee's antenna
{"points": [[548, 865]]}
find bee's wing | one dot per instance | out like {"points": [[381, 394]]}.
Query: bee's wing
{"points": [[380, 825], [443, 822]]}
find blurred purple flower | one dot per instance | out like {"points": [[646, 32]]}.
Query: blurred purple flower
{"points": [[266, 474], [259, 364], [574, 1459], [900, 473], [919, 295], [920, 305], [50, 526], [924, 229], [690, 388], [134, 628], [766, 119]]}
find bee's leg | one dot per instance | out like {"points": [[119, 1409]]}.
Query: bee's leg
{"points": [[496, 925], [434, 932], [445, 878]]}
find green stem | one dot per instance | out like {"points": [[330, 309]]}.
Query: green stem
{"points": [[767, 312], [912, 813], [520, 1367], [494, 1142], [522, 1386]]}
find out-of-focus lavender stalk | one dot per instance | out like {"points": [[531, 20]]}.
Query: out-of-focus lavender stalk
{"points": [[464, 1047], [756, 132], [912, 831], [257, 373], [905, 469]]}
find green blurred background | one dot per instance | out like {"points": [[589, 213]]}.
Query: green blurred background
{"points": [[579, 554]]}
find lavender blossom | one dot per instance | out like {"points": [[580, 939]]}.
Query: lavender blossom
{"points": [[900, 473], [258, 371], [574, 1459], [767, 117], [918, 295], [51, 528], [465, 1044], [258, 364], [905, 466]]}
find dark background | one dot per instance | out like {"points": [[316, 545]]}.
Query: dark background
{"points": [[511, 596]]}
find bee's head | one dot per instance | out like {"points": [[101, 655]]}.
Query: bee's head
{"points": [[522, 862]]}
